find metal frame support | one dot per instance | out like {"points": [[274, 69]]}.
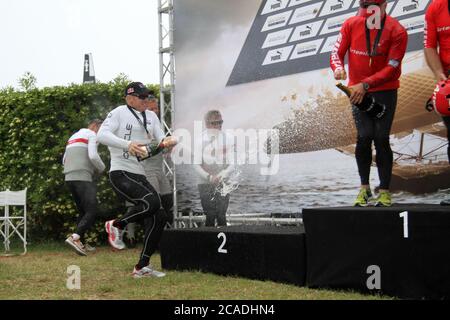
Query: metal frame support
{"points": [[167, 83]]}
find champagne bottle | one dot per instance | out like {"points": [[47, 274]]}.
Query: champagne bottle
{"points": [[369, 105], [152, 149]]}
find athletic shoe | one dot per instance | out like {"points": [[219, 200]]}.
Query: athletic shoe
{"points": [[363, 198], [147, 272], [384, 199], [114, 236], [89, 248], [76, 245], [445, 202]]}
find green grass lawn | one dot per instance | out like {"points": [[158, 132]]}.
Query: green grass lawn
{"points": [[42, 274]]}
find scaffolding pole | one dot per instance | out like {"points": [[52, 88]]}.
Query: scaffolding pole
{"points": [[167, 84]]}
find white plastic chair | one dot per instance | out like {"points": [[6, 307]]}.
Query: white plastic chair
{"points": [[10, 225]]}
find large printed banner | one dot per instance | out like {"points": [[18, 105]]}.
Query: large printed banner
{"points": [[278, 52], [295, 36]]}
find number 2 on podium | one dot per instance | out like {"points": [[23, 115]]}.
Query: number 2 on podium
{"points": [[404, 215], [221, 249]]}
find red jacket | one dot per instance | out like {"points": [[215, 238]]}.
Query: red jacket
{"points": [[437, 30], [385, 71]]}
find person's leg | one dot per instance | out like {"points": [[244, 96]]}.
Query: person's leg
{"points": [[384, 155], [148, 207], [88, 192], [166, 193], [167, 204], [135, 189], [363, 152], [223, 202], [447, 125], [74, 190], [154, 226], [207, 201], [74, 241]]}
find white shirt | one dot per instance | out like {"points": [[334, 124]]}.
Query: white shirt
{"points": [[120, 128], [81, 156], [218, 156]]}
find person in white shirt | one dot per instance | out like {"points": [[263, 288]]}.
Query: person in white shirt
{"points": [[215, 169], [154, 170], [126, 130], [81, 161]]}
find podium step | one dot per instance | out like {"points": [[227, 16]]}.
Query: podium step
{"points": [[255, 252], [401, 251]]}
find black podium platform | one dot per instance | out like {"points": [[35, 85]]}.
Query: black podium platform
{"points": [[406, 246], [255, 252]]}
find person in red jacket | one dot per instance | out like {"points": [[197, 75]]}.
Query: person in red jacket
{"points": [[376, 44], [437, 34]]}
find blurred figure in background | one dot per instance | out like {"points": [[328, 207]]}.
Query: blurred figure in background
{"points": [[215, 169]]}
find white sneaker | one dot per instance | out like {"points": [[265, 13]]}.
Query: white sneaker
{"points": [[76, 245], [114, 236], [147, 272]]}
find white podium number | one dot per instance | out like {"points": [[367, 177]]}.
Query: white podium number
{"points": [[224, 237], [404, 215]]}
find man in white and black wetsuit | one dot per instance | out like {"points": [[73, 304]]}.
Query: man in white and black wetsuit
{"points": [[124, 131], [154, 173], [81, 160]]}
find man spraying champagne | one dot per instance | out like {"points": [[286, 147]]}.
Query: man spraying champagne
{"points": [[376, 44]]}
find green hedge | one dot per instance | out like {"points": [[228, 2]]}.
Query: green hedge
{"points": [[35, 126]]}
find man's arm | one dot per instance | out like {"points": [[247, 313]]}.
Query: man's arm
{"points": [[231, 158], [106, 133], [434, 62], [93, 154], [338, 53], [431, 45]]}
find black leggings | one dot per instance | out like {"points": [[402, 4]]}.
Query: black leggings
{"points": [[447, 124], [377, 131], [84, 194], [147, 209]]}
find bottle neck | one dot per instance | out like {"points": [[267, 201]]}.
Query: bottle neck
{"points": [[345, 89]]}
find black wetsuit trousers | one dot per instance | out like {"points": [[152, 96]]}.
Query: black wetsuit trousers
{"points": [[146, 209], [377, 131], [84, 194]]}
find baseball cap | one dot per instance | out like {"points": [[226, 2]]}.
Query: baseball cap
{"points": [[136, 89]]}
